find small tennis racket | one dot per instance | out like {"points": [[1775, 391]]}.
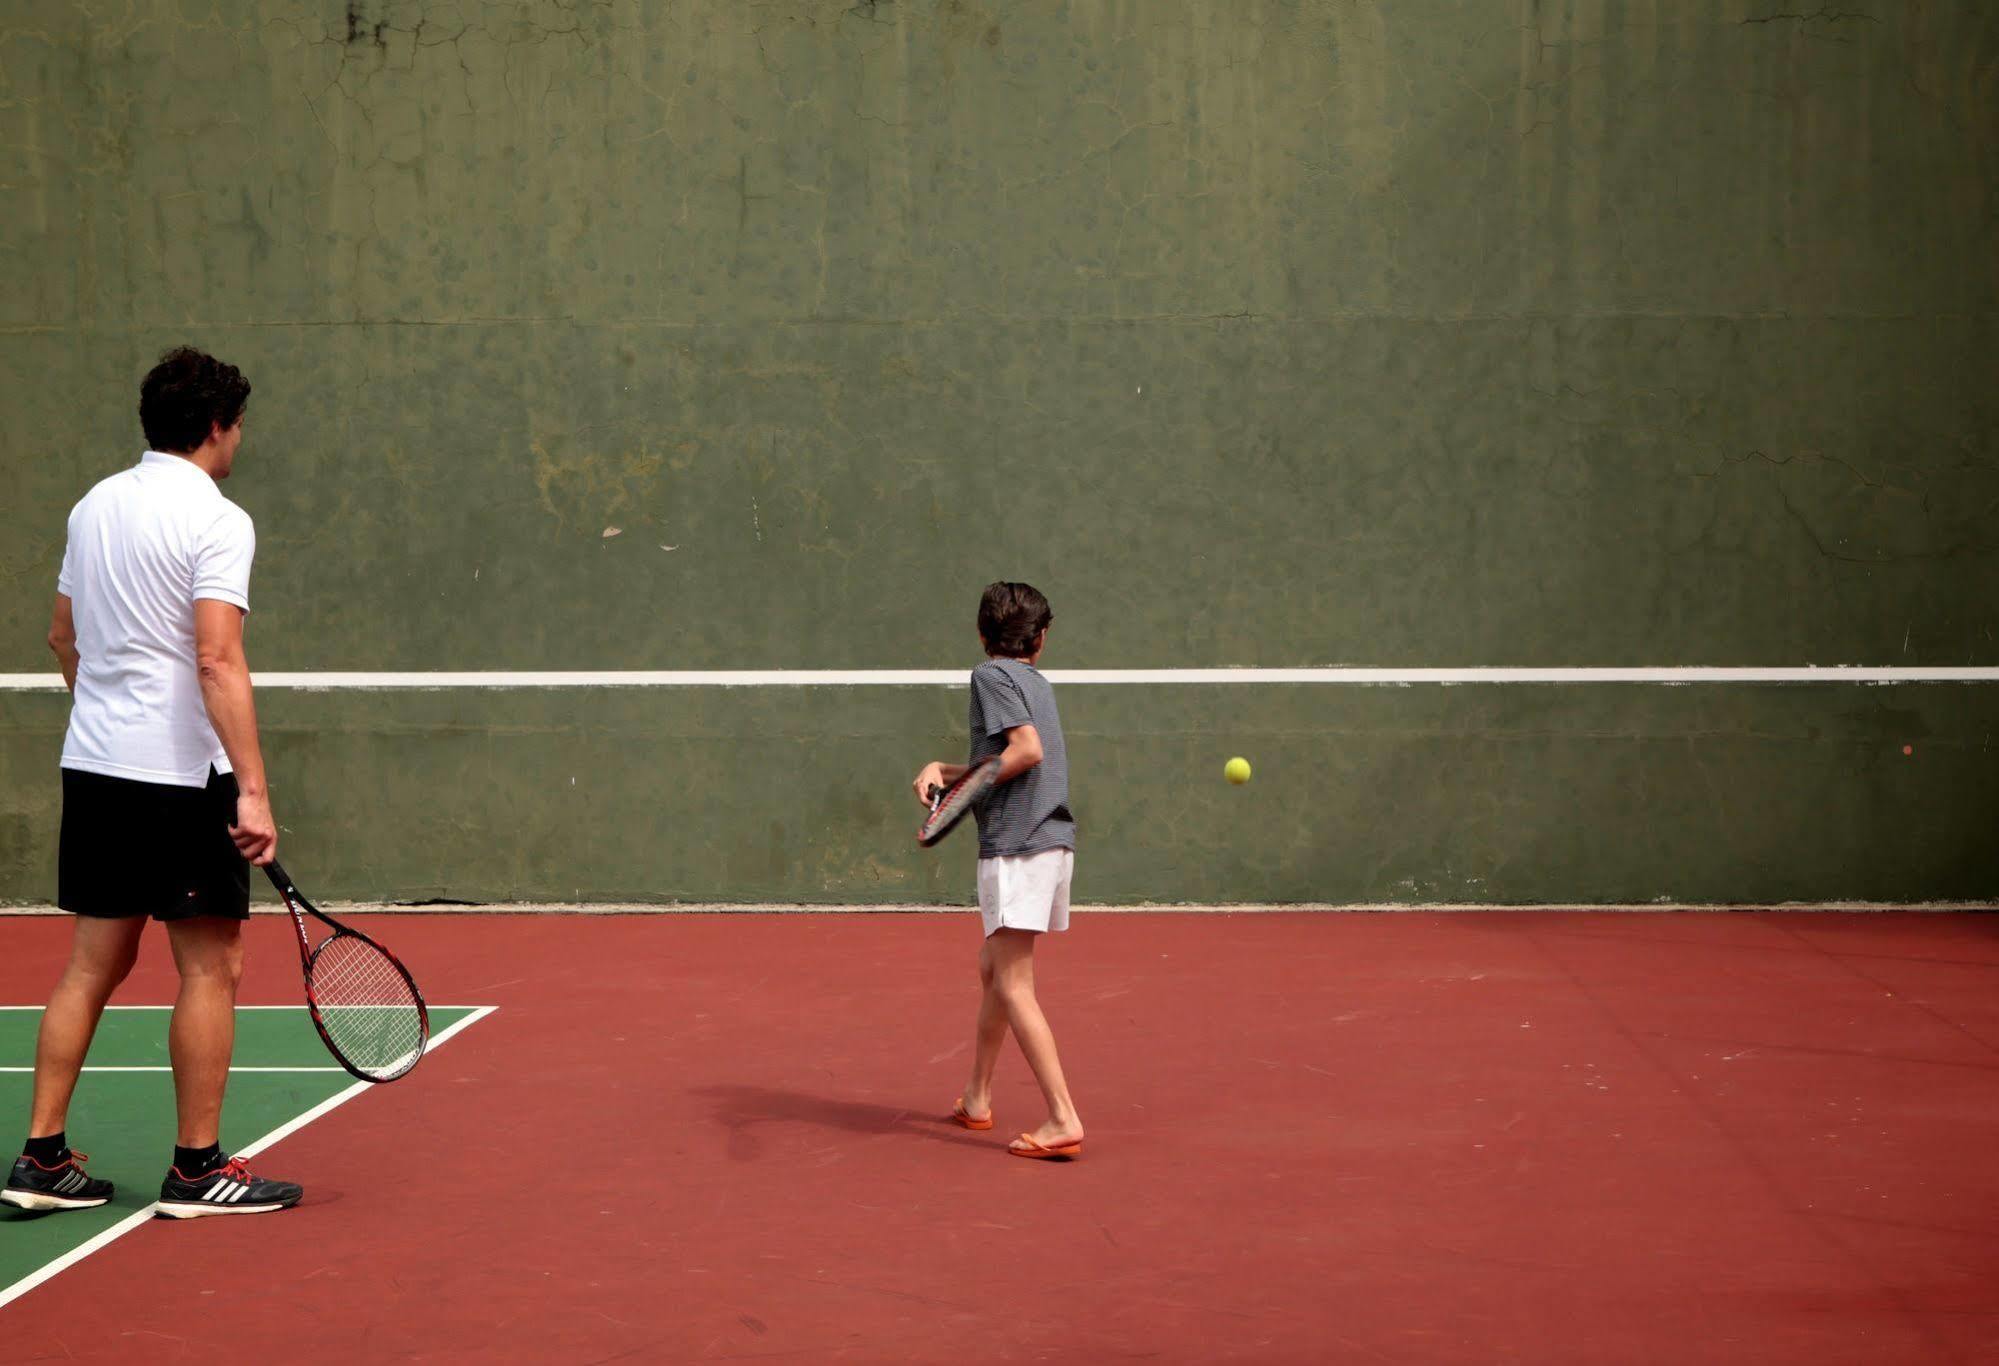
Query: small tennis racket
{"points": [[364, 1003], [949, 805]]}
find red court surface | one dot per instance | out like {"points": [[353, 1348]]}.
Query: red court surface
{"points": [[1408, 1138]]}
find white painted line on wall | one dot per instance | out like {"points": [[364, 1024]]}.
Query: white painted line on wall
{"points": [[1671, 674]]}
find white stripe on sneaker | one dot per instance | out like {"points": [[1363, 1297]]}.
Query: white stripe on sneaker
{"points": [[237, 1191], [62, 1182]]}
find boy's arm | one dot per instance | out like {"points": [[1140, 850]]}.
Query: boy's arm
{"points": [[1022, 752], [997, 698], [1000, 707]]}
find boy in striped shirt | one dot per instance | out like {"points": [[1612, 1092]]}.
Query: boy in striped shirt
{"points": [[1027, 842]]}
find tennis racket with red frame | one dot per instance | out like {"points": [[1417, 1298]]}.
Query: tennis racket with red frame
{"points": [[949, 805], [363, 1001]]}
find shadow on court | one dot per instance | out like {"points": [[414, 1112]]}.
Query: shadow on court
{"points": [[11, 1215], [740, 1109]]}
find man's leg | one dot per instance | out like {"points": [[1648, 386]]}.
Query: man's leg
{"points": [[101, 954], [204, 1180], [1013, 977], [989, 1039], [208, 950]]}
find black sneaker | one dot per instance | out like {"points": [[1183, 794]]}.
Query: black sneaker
{"points": [[64, 1186], [229, 1189]]}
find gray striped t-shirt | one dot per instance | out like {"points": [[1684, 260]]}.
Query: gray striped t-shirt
{"points": [[1030, 813]]}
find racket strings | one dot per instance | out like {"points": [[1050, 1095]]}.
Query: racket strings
{"points": [[367, 1006]]}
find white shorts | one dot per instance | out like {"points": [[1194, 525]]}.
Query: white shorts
{"points": [[1026, 891]]}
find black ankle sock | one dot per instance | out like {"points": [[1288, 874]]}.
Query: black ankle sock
{"points": [[46, 1150], [193, 1162]]}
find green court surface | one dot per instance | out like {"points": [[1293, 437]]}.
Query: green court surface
{"points": [[123, 1113]]}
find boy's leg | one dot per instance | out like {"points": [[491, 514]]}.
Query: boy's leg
{"points": [[208, 950], [101, 955], [989, 1039], [1013, 978]]}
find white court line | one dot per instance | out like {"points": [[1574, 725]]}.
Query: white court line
{"points": [[334, 681], [283, 1131]]}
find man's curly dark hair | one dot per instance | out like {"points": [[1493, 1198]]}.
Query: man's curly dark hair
{"points": [[187, 395]]}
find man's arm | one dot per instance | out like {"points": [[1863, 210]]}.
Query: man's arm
{"points": [[62, 639], [225, 691]]}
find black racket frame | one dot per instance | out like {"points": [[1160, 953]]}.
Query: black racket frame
{"points": [[980, 772], [308, 954]]}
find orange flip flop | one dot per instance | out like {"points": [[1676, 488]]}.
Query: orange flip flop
{"points": [[1025, 1146], [959, 1115]]}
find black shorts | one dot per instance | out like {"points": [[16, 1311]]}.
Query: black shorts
{"points": [[131, 848]]}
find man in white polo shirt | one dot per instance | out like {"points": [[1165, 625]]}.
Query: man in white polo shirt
{"points": [[164, 805]]}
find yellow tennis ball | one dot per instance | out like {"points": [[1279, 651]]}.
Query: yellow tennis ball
{"points": [[1236, 771]]}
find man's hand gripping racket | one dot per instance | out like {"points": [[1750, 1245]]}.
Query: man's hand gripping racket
{"points": [[363, 1002]]}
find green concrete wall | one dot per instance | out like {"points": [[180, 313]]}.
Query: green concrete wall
{"points": [[1255, 333]]}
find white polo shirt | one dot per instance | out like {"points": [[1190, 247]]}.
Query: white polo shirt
{"points": [[143, 545]]}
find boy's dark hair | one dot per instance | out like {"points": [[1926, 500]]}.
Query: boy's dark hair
{"points": [[186, 395], [1011, 617]]}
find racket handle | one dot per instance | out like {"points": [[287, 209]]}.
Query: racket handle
{"points": [[279, 877], [936, 793]]}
